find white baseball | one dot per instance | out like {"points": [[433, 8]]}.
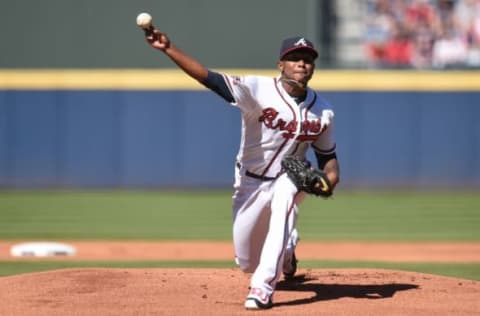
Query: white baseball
{"points": [[144, 20]]}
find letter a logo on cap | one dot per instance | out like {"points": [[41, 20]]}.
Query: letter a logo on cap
{"points": [[301, 41]]}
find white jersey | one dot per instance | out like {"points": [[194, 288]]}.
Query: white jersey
{"points": [[274, 125]]}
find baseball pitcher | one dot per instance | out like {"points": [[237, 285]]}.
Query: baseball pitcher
{"points": [[281, 118]]}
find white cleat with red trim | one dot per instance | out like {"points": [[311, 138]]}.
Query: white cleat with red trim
{"points": [[258, 299]]}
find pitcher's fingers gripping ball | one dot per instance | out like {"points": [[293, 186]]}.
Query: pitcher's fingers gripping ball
{"points": [[144, 20], [153, 36]]}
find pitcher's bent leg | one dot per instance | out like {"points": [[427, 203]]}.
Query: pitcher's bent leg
{"points": [[282, 222]]}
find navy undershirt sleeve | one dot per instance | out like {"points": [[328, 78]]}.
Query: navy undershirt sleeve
{"points": [[323, 159], [217, 84]]}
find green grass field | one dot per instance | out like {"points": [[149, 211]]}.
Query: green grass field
{"points": [[194, 215]]}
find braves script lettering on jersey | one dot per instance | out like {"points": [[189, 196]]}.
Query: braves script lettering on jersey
{"points": [[285, 127]]}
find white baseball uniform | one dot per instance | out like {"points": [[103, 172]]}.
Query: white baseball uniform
{"points": [[265, 202]]}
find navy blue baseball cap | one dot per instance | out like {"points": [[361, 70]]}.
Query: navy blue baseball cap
{"points": [[297, 43]]}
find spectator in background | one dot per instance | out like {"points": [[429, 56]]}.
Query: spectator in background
{"points": [[467, 14], [449, 50], [398, 8], [450, 47], [398, 49], [419, 12], [422, 39], [379, 24], [420, 22]]}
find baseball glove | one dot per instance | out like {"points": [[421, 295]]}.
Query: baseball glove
{"points": [[306, 178]]}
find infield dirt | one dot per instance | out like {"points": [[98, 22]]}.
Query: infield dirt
{"points": [[222, 291]]}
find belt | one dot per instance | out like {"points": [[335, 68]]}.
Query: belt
{"points": [[254, 175]]}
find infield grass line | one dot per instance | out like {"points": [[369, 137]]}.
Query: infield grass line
{"points": [[469, 271]]}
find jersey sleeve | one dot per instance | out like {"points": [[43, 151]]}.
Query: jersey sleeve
{"points": [[243, 89], [325, 143]]}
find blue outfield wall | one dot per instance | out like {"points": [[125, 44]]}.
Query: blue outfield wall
{"points": [[115, 138], [177, 138]]}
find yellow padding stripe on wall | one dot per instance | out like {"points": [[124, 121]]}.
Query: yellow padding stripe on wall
{"points": [[173, 79]]}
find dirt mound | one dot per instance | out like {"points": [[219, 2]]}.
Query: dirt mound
{"points": [[222, 292]]}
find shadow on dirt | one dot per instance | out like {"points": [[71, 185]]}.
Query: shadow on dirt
{"points": [[323, 292]]}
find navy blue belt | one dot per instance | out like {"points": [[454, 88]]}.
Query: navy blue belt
{"points": [[254, 175]]}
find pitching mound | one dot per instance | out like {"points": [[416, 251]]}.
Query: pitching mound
{"points": [[222, 292]]}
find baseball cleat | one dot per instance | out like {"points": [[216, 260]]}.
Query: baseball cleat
{"points": [[258, 299], [290, 266]]}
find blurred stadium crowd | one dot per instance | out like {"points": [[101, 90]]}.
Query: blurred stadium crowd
{"points": [[422, 34]]}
